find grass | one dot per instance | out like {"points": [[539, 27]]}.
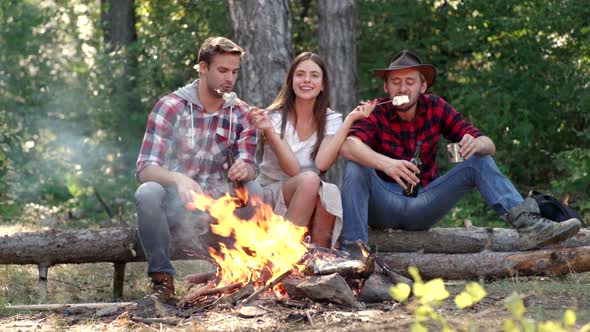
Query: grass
{"points": [[79, 283]]}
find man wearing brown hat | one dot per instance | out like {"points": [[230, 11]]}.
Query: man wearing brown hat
{"points": [[379, 149]]}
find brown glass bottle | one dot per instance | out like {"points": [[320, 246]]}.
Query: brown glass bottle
{"points": [[236, 183], [412, 190]]}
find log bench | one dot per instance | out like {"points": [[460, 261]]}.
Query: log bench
{"points": [[449, 253], [117, 245]]}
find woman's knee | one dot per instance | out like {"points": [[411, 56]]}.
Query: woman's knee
{"points": [[309, 181], [150, 193]]}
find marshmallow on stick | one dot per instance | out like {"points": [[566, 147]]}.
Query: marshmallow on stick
{"points": [[229, 97], [398, 100]]}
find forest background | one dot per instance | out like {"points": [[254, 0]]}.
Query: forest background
{"points": [[78, 79]]}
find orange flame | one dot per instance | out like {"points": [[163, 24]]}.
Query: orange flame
{"points": [[266, 242]]}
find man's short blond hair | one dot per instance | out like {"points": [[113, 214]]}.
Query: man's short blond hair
{"points": [[218, 45]]}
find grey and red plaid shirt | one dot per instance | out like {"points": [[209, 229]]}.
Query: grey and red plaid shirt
{"points": [[386, 133], [197, 149]]}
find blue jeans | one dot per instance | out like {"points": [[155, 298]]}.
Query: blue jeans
{"points": [[161, 212], [368, 200]]}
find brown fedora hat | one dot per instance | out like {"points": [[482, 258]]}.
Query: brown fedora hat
{"points": [[407, 59]]}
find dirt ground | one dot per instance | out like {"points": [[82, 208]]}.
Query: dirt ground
{"points": [[545, 299]]}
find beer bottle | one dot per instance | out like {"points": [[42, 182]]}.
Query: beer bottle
{"points": [[237, 184], [412, 190]]}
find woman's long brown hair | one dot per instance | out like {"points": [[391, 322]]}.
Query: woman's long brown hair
{"points": [[285, 100]]}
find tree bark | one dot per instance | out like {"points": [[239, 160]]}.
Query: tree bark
{"points": [[263, 29], [461, 240], [118, 19], [489, 264], [338, 48], [48, 248]]}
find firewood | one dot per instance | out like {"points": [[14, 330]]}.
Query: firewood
{"points": [[200, 278], [393, 276], [191, 297], [234, 297], [221, 290], [268, 286]]}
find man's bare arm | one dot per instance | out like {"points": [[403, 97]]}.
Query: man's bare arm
{"points": [[399, 170]]}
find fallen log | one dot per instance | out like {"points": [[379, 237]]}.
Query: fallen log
{"points": [[121, 245], [461, 240], [118, 245], [489, 264]]}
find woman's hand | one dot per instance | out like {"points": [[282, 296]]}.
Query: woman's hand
{"points": [[362, 111], [261, 120]]}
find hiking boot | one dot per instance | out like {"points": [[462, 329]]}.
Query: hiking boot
{"points": [[539, 231], [163, 288]]}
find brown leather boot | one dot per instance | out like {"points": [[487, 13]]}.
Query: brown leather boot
{"points": [[163, 287]]}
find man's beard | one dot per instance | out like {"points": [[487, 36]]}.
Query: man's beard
{"points": [[405, 107]]}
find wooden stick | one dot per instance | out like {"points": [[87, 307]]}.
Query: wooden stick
{"points": [[71, 305], [199, 278], [194, 295], [219, 290], [234, 297], [393, 276], [268, 286]]}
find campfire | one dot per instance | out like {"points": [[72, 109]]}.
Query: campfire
{"points": [[267, 254]]}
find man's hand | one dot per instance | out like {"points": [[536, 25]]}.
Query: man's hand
{"points": [[401, 171], [240, 170], [185, 185], [470, 146]]}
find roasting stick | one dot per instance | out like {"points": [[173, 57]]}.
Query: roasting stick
{"points": [[262, 289]]}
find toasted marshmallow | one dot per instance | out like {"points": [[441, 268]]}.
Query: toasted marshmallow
{"points": [[229, 97], [398, 100]]}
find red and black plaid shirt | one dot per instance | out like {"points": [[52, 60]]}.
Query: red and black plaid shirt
{"points": [[386, 133]]}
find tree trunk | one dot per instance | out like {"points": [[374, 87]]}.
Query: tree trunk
{"points": [[119, 34], [263, 29], [49, 248], [489, 264], [118, 19], [338, 48], [461, 240]]}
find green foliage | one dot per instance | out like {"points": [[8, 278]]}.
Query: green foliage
{"points": [[73, 109], [519, 71]]}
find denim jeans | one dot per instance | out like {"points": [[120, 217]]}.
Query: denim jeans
{"points": [[161, 212], [368, 200]]}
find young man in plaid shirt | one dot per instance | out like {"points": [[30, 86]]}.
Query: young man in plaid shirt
{"points": [[379, 149], [189, 135]]}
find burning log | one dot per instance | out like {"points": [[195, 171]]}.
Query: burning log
{"points": [[344, 267], [356, 262], [268, 286], [234, 297], [191, 297]]}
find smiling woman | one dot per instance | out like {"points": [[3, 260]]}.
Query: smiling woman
{"points": [[301, 139]]}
